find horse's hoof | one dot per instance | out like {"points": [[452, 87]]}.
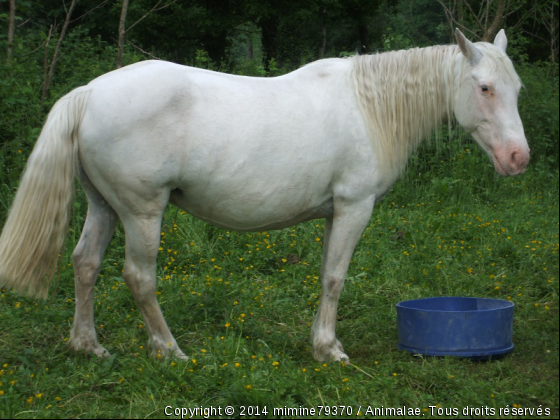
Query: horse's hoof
{"points": [[341, 357], [89, 348]]}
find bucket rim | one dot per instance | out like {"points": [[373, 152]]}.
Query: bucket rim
{"points": [[405, 304]]}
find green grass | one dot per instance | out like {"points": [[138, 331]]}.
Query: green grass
{"points": [[241, 306]]}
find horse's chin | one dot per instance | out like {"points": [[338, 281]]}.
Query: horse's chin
{"points": [[510, 157], [498, 167]]}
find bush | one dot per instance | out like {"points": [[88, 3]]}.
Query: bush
{"points": [[538, 107]]}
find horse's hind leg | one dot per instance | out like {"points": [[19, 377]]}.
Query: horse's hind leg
{"points": [[96, 234], [142, 243]]}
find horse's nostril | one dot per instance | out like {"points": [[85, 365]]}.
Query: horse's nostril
{"points": [[514, 157], [519, 159]]}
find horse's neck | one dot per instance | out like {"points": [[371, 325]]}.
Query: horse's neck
{"points": [[404, 97]]}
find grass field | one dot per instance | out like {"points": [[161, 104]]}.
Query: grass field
{"points": [[241, 306]]}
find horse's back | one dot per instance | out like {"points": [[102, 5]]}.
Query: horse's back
{"points": [[240, 152], [150, 88]]}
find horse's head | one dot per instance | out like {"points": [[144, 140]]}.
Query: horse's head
{"points": [[486, 102]]}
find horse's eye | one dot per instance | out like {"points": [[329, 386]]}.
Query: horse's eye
{"points": [[484, 88]]}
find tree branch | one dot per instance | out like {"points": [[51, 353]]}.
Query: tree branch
{"points": [[100, 5], [122, 32], [491, 31], [48, 79], [476, 17], [153, 9], [453, 21], [143, 51]]}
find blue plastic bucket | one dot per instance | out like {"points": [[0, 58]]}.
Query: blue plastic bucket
{"points": [[456, 326]]}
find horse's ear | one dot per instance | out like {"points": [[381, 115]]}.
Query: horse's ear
{"points": [[501, 40], [468, 49]]}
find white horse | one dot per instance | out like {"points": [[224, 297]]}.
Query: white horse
{"points": [[326, 141]]}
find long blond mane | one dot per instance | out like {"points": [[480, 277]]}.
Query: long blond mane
{"points": [[404, 96]]}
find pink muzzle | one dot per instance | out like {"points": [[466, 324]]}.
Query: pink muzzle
{"points": [[511, 160]]}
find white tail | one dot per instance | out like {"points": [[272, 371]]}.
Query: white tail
{"points": [[35, 230]]}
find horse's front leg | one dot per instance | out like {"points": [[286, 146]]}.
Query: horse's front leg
{"points": [[342, 233]]}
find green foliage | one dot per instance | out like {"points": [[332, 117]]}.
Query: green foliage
{"points": [[241, 305], [538, 107], [395, 41], [420, 22], [202, 60], [251, 68]]}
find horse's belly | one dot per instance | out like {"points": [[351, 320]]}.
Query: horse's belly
{"points": [[245, 212]]}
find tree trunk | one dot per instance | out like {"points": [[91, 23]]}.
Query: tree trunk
{"points": [[323, 45], [364, 38], [11, 29], [215, 43], [250, 51], [48, 79], [552, 26], [46, 66], [269, 32], [491, 30], [479, 22], [122, 33], [461, 14]]}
